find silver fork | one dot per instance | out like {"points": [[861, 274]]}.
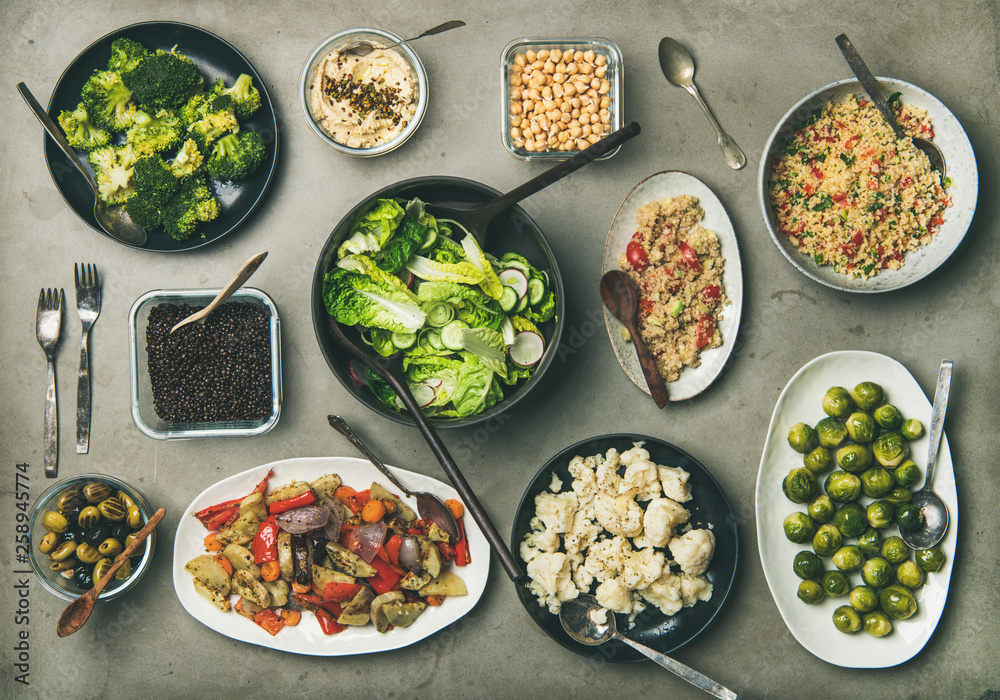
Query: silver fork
{"points": [[88, 305], [47, 324]]}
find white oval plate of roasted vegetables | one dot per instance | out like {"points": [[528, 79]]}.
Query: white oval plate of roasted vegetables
{"points": [[812, 625], [307, 636]]}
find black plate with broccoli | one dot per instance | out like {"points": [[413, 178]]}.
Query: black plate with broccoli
{"points": [[216, 60]]}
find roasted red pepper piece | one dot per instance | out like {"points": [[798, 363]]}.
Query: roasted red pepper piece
{"points": [[340, 592], [462, 555], [327, 619], [386, 579], [391, 549], [265, 544], [303, 499], [358, 500], [269, 620], [216, 516]]}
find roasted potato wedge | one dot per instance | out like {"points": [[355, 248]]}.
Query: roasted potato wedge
{"points": [[403, 614], [291, 490], [448, 583], [241, 558], [325, 485], [219, 600], [285, 560], [436, 534], [413, 582], [380, 621], [250, 588], [430, 557], [254, 502], [403, 511], [210, 572], [247, 608], [358, 611], [348, 562], [278, 590], [241, 531], [321, 576]]}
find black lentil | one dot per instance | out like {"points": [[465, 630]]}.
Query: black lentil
{"points": [[216, 371]]}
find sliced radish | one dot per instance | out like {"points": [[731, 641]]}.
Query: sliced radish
{"points": [[515, 279], [424, 394], [434, 383], [527, 349], [406, 277], [356, 371]]}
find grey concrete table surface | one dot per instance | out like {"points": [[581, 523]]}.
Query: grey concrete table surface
{"points": [[754, 60]]}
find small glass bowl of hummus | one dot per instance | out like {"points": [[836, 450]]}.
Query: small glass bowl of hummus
{"points": [[363, 105]]}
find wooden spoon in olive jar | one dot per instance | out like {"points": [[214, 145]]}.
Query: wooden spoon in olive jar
{"points": [[77, 612]]}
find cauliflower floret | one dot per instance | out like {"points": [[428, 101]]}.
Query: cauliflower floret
{"points": [[641, 568], [694, 589], [584, 533], [608, 478], [613, 596], [556, 510], [675, 483], [636, 453], [665, 593], [538, 542], [693, 551], [582, 578], [555, 486], [606, 558], [584, 480], [641, 480], [619, 515], [551, 579], [662, 516]]}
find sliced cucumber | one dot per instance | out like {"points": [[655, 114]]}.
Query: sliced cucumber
{"points": [[536, 290], [522, 304], [439, 313], [434, 339], [508, 298], [515, 279], [451, 335], [527, 349], [403, 340], [516, 264], [429, 241]]}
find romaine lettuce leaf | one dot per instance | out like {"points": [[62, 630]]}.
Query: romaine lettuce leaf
{"points": [[372, 229], [488, 346], [354, 297], [490, 283], [544, 310], [431, 270], [471, 305], [408, 238]]}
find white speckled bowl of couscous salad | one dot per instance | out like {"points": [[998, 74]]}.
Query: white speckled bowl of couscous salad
{"points": [[849, 210]]}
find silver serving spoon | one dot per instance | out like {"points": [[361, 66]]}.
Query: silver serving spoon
{"points": [[587, 622], [429, 506], [870, 85], [363, 48], [113, 219], [678, 67], [934, 513], [241, 276]]}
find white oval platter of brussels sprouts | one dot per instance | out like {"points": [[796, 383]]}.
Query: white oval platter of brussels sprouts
{"points": [[846, 446]]}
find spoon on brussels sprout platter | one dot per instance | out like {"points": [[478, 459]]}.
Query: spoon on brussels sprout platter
{"points": [[870, 85], [933, 512], [621, 296], [678, 68], [77, 612], [586, 621], [429, 506], [113, 219]]}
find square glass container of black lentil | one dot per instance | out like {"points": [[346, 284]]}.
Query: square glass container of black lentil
{"points": [[222, 379]]}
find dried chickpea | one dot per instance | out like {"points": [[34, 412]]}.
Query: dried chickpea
{"points": [[515, 133], [586, 69], [555, 54], [529, 145], [572, 68], [531, 56], [520, 60], [600, 60], [543, 54]]}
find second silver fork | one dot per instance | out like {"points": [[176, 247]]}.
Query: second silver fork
{"points": [[48, 322], [88, 305]]}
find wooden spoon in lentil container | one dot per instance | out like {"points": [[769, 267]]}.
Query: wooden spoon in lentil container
{"points": [[244, 273]]}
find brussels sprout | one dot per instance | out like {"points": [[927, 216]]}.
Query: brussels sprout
{"points": [[848, 558], [799, 528], [877, 572], [870, 542], [831, 432], [868, 396], [842, 487], [930, 560], [819, 461], [876, 623], [911, 429], [854, 458], [863, 598], [851, 520], [880, 514], [876, 482], [910, 574], [827, 540], [807, 565], [800, 485], [895, 550], [909, 517], [897, 602], [860, 427], [802, 438], [890, 449], [846, 619], [899, 496], [821, 509], [837, 402], [810, 592], [888, 416], [835, 584], [906, 474]]}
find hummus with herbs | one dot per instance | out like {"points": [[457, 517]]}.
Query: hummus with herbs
{"points": [[362, 101]]}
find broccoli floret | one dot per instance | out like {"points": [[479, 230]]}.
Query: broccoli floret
{"points": [[236, 156], [143, 212], [108, 101], [114, 168], [188, 159], [154, 180], [210, 127], [246, 98], [163, 80], [126, 54], [81, 132], [152, 133], [192, 205], [201, 104]]}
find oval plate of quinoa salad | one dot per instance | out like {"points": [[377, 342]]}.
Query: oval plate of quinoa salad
{"points": [[852, 207], [672, 236]]}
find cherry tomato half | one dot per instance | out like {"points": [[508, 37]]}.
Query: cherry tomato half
{"points": [[636, 256]]}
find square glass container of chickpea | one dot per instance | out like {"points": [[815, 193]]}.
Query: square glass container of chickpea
{"points": [[560, 95]]}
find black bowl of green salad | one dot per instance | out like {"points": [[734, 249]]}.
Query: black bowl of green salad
{"points": [[473, 330]]}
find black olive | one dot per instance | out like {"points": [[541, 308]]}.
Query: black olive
{"points": [[83, 578], [74, 535], [318, 549], [119, 531], [72, 510], [96, 534]]}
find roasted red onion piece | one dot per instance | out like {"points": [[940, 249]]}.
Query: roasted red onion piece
{"points": [[304, 519], [409, 554], [366, 540], [332, 527]]}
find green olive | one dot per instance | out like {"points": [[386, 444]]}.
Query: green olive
{"points": [[870, 542], [140, 549], [96, 492], [897, 602], [101, 568], [64, 565], [48, 542], [877, 572], [67, 499], [877, 624], [910, 574], [55, 522], [110, 547], [87, 553], [880, 514], [930, 560], [124, 571], [911, 429], [837, 402], [835, 584], [894, 550], [807, 565], [863, 598], [88, 517], [63, 551], [810, 592], [860, 427], [134, 518], [827, 540], [126, 499], [854, 458], [888, 417], [802, 438], [846, 619], [868, 396], [112, 509]]}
